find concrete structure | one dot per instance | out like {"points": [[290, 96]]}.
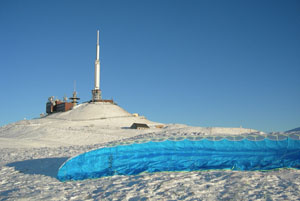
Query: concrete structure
{"points": [[96, 92], [139, 126], [62, 106], [53, 106]]}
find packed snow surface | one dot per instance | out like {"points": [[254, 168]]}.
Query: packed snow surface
{"points": [[32, 151]]}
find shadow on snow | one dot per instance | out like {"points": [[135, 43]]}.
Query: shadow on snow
{"points": [[43, 166]]}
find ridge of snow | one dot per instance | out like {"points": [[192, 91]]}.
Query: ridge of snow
{"points": [[91, 111]]}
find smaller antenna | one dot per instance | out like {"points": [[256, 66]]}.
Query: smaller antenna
{"points": [[74, 98], [65, 98]]}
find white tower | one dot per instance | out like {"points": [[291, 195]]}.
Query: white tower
{"points": [[96, 92]]}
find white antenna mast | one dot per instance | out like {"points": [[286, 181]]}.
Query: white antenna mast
{"points": [[96, 92]]}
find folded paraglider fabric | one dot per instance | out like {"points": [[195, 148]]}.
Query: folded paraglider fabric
{"points": [[184, 155]]}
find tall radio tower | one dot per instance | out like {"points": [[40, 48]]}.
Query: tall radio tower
{"points": [[96, 92]]}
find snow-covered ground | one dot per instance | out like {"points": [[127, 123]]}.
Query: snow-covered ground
{"points": [[31, 151]]}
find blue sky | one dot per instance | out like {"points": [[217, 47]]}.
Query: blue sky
{"points": [[201, 63]]}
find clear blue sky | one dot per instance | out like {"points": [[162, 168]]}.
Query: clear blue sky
{"points": [[201, 63]]}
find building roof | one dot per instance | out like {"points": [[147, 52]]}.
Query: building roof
{"points": [[139, 125]]}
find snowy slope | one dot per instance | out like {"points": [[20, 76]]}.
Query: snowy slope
{"points": [[89, 123], [92, 111], [31, 151]]}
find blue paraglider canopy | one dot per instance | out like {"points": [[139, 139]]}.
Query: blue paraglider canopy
{"points": [[252, 152]]}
